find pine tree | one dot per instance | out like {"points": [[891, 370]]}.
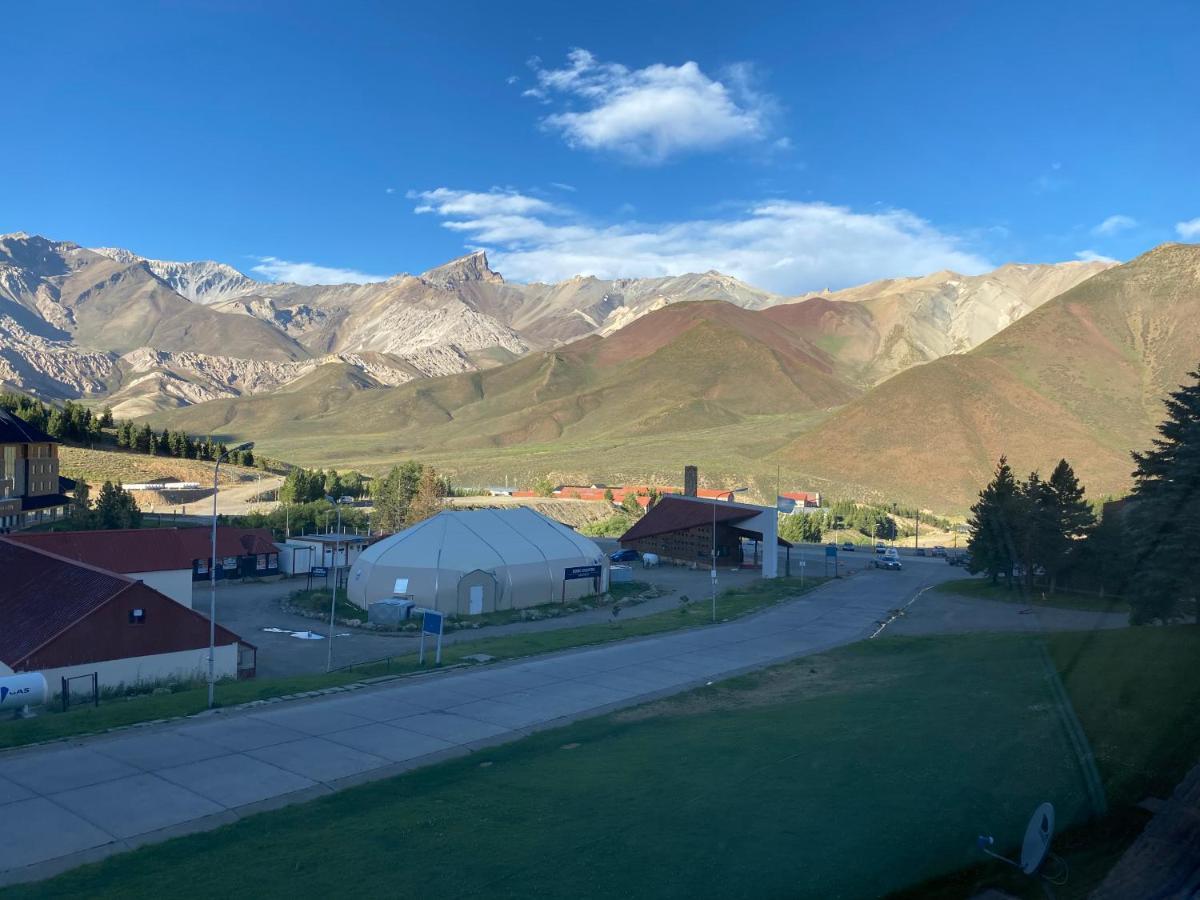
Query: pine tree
{"points": [[1072, 520], [81, 505], [106, 417], [56, 425], [1164, 514], [995, 522]]}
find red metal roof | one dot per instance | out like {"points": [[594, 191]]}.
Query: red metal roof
{"points": [[677, 514], [150, 549], [45, 594]]}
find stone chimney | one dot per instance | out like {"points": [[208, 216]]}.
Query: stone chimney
{"points": [[690, 481]]}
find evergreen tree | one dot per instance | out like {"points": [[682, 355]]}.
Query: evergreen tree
{"points": [[116, 508], [106, 418], [1164, 513], [56, 425], [1072, 519], [81, 506], [995, 520]]}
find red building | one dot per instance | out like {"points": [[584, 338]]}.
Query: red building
{"points": [[64, 618]]}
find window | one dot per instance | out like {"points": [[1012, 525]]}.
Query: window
{"points": [[230, 563], [202, 567], [137, 617], [273, 561], [260, 562]]}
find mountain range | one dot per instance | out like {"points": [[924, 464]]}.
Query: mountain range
{"points": [[905, 388]]}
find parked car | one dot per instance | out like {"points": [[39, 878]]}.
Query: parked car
{"points": [[939, 550], [920, 551], [889, 562], [626, 555], [848, 546], [880, 548]]}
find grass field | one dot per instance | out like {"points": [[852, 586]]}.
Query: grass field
{"points": [[79, 720], [848, 774], [981, 588], [97, 466]]}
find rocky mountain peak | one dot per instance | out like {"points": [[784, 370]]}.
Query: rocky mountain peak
{"points": [[472, 267]]}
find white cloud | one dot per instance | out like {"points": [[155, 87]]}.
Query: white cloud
{"points": [[1114, 225], [1093, 256], [1189, 229], [786, 246], [648, 115], [273, 268]]}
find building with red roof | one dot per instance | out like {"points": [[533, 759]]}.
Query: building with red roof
{"points": [[65, 618], [681, 529], [166, 559]]}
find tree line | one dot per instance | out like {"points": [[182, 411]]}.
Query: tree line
{"points": [[309, 485], [1143, 548], [75, 423]]}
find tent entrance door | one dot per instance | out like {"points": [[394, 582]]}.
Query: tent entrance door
{"points": [[475, 600]]}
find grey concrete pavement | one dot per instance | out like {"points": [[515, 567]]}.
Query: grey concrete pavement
{"points": [[84, 799], [248, 609]]}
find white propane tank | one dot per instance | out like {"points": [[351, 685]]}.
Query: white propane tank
{"points": [[23, 689]]}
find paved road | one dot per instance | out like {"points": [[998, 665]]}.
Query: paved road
{"points": [[248, 609], [83, 800]]}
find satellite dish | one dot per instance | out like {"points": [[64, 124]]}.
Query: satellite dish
{"points": [[1035, 849], [1037, 838]]}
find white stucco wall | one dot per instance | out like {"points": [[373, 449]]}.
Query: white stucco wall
{"points": [[178, 666], [175, 583]]}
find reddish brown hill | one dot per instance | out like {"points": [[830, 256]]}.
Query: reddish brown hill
{"points": [[1082, 377]]}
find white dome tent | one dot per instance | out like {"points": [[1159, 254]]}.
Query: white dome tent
{"points": [[465, 562]]}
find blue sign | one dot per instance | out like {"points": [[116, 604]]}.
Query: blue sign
{"points": [[831, 551], [319, 571], [573, 572], [432, 622]]}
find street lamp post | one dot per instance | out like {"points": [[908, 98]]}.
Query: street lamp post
{"points": [[333, 599], [212, 576], [714, 546]]}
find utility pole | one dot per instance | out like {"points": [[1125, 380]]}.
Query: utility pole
{"points": [[917, 529]]}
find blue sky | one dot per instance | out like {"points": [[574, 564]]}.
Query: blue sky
{"points": [[795, 145]]}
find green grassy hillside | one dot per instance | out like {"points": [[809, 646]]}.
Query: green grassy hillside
{"points": [[684, 371]]}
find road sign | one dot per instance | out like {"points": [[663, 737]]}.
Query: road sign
{"points": [[573, 572], [319, 572], [831, 551], [432, 622]]}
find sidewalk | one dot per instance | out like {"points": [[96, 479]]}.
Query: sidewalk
{"points": [[83, 800]]}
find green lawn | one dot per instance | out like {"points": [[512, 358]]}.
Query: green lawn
{"points": [[848, 774], [52, 724], [1141, 713], [982, 588]]}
